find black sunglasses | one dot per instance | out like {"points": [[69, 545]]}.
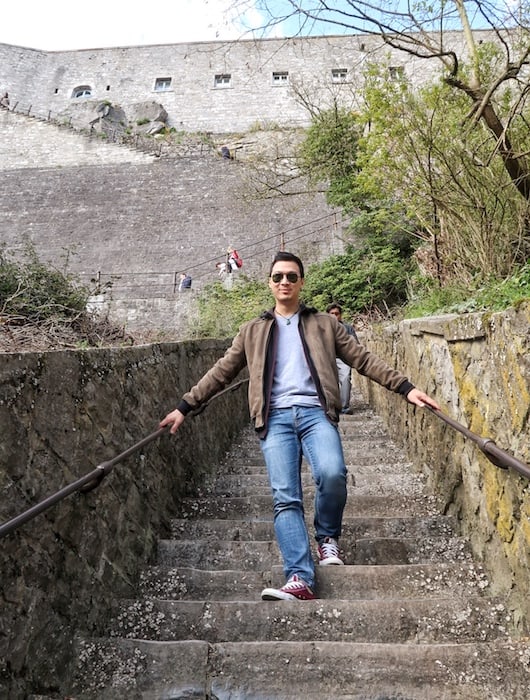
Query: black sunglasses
{"points": [[278, 276]]}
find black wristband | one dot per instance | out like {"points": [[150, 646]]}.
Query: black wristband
{"points": [[405, 387]]}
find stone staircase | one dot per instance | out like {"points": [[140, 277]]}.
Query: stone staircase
{"points": [[408, 618]]}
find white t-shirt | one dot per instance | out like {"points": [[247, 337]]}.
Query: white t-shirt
{"points": [[292, 382]]}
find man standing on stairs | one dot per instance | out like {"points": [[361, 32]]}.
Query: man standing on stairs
{"points": [[295, 404]]}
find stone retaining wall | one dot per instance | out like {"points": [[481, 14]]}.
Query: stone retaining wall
{"points": [[477, 367], [62, 414]]}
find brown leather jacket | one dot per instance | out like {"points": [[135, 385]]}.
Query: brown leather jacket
{"points": [[323, 339]]}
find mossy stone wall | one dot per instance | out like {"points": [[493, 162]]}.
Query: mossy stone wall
{"points": [[477, 367]]}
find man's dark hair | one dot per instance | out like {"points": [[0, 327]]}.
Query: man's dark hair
{"points": [[334, 305], [282, 256]]}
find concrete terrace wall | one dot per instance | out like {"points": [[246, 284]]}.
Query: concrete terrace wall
{"points": [[477, 366], [30, 143], [127, 75], [62, 414]]}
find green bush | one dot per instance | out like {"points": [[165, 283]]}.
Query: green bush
{"points": [[33, 291], [363, 280], [43, 308], [222, 311], [429, 298]]}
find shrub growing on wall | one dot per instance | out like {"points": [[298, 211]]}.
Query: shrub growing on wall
{"points": [[33, 291], [42, 308]]}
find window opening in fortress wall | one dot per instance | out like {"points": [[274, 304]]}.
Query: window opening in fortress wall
{"points": [[162, 84], [396, 72], [339, 75], [223, 80], [82, 91], [280, 78]]}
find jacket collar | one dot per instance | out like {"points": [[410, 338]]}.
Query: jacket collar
{"points": [[303, 311]]}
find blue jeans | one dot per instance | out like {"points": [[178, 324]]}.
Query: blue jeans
{"points": [[294, 433]]}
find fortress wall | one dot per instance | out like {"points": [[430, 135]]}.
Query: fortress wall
{"points": [[477, 367], [127, 75], [138, 221], [159, 217], [21, 71]]}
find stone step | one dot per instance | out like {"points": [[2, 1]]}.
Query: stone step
{"points": [[219, 554], [394, 550], [360, 481], [246, 484], [333, 582], [396, 621], [259, 506], [363, 415], [367, 454], [224, 529], [250, 468], [241, 463], [187, 583], [123, 669], [362, 424], [347, 671], [353, 528], [378, 440], [363, 455], [247, 555], [356, 451], [367, 480], [375, 435], [407, 618]]}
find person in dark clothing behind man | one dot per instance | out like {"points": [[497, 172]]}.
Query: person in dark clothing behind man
{"points": [[343, 369], [185, 282], [294, 403]]}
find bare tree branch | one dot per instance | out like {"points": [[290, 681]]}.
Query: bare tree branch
{"points": [[427, 32]]}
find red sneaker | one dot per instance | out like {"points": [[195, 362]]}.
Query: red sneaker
{"points": [[328, 552], [294, 589]]}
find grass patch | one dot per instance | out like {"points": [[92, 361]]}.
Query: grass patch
{"points": [[497, 295]]}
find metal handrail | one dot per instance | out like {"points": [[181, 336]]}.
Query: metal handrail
{"points": [[499, 457], [496, 455], [94, 478]]}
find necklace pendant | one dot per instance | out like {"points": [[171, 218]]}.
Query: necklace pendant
{"points": [[288, 322]]}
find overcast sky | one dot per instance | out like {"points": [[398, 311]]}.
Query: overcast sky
{"points": [[57, 25]]}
